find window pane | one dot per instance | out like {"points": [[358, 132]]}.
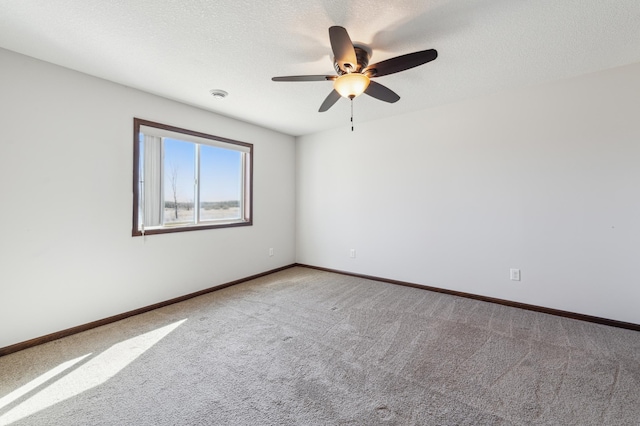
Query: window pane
{"points": [[179, 181], [220, 183], [186, 180]]}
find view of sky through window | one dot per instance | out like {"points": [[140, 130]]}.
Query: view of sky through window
{"points": [[219, 176]]}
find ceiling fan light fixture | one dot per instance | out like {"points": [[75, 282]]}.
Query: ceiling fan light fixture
{"points": [[351, 62], [351, 85]]}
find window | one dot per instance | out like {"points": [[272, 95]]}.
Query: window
{"points": [[185, 180]]}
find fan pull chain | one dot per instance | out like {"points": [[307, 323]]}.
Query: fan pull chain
{"points": [[352, 114]]}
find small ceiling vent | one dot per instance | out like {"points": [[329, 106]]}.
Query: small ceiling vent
{"points": [[218, 94]]}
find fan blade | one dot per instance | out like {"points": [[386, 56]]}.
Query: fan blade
{"points": [[329, 101], [343, 51], [378, 91], [305, 78], [401, 63]]}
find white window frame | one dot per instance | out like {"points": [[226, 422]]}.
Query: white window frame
{"points": [[159, 130]]}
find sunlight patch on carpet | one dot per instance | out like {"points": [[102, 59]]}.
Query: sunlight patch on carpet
{"points": [[23, 390], [92, 373]]}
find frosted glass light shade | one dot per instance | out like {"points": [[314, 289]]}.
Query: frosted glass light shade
{"points": [[351, 85]]}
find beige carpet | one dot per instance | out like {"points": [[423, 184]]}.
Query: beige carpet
{"points": [[305, 347]]}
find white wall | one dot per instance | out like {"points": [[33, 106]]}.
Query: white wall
{"points": [[545, 179], [66, 252]]}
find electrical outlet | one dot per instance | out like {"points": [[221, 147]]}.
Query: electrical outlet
{"points": [[352, 253], [514, 274], [271, 252]]}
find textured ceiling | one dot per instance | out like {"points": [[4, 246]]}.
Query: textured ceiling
{"points": [[182, 49]]}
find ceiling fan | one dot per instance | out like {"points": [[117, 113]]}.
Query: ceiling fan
{"points": [[354, 74]]}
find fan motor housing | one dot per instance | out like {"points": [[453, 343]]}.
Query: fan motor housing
{"points": [[363, 54]]}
